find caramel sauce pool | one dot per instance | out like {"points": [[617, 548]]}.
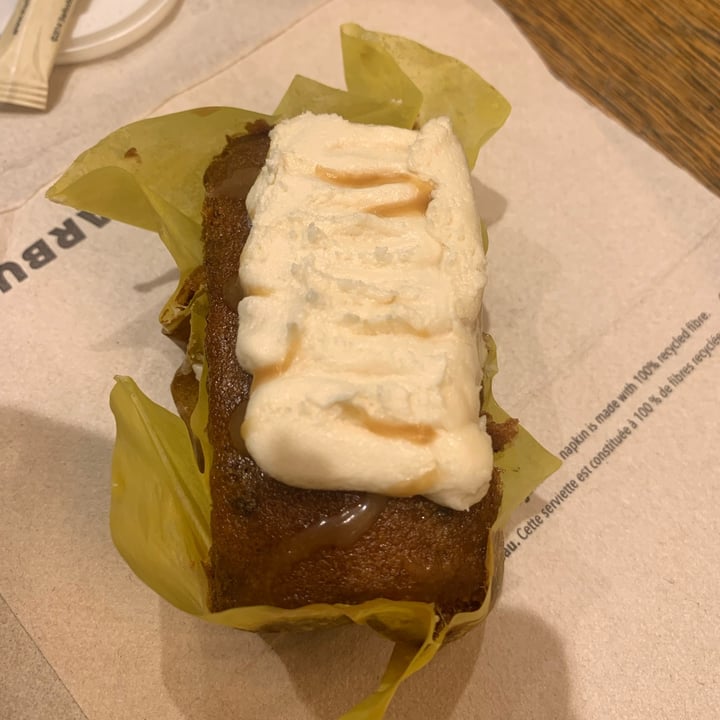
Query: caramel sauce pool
{"points": [[342, 530]]}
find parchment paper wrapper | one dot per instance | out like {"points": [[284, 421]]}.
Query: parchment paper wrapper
{"points": [[160, 513]]}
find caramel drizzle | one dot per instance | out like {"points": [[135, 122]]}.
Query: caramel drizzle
{"points": [[415, 205], [416, 433], [415, 486], [271, 372]]}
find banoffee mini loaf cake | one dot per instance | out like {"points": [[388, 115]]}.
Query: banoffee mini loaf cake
{"points": [[350, 458]]}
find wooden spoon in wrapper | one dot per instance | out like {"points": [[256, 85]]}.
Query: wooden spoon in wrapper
{"points": [[28, 46]]}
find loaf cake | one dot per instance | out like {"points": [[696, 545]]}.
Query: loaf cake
{"points": [[289, 545]]}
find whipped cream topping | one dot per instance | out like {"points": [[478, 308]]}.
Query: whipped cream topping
{"points": [[363, 277]]}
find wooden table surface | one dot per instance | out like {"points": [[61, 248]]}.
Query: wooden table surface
{"points": [[652, 64]]}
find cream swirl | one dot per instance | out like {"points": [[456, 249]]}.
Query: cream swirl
{"points": [[362, 286]]}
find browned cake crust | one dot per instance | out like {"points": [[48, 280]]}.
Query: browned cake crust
{"points": [[414, 550]]}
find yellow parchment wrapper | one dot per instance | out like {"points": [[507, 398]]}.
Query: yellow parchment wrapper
{"points": [[160, 511]]}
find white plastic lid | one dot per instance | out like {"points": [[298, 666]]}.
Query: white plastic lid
{"points": [[101, 27]]}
